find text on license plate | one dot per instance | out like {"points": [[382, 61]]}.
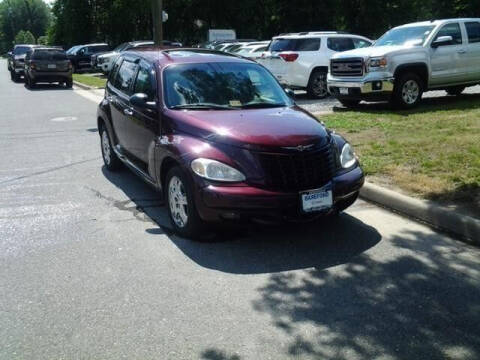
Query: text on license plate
{"points": [[343, 91], [52, 66], [317, 200]]}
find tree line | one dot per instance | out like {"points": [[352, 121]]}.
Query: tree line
{"points": [[70, 22]]}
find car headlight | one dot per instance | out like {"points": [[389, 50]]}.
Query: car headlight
{"points": [[347, 156], [215, 170], [377, 63]]}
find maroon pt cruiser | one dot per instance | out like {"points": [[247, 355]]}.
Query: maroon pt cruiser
{"points": [[222, 139]]}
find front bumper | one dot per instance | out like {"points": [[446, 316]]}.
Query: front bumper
{"points": [[19, 69], [219, 203], [362, 89]]}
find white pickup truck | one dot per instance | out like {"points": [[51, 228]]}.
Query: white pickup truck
{"points": [[407, 61]]}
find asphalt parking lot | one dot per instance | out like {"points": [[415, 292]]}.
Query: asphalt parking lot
{"points": [[91, 270]]}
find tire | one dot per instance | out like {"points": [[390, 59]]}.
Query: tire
{"points": [[317, 85], [31, 83], [455, 90], [110, 159], [178, 194], [69, 83], [351, 104], [407, 92], [15, 78]]}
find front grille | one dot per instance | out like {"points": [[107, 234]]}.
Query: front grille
{"points": [[296, 170], [346, 67]]}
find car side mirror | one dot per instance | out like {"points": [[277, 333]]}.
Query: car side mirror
{"points": [[442, 41], [140, 100], [290, 93], [10, 53]]}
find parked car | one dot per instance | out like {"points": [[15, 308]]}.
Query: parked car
{"points": [[80, 55], [221, 146], [252, 50], [407, 61], [105, 61], [16, 61], [47, 64], [301, 60], [216, 45]]}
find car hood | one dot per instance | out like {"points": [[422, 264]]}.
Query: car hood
{"points": [[108, 55], [261, 129], [372, 51]]}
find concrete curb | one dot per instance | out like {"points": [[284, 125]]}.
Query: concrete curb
{"points": [[86, 87], [466, 227]]}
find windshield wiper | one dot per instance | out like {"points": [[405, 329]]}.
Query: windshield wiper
{"points": [[202, 106], [257, 105]]}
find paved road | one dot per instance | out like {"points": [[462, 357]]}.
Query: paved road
{"points": [[90, 270]]}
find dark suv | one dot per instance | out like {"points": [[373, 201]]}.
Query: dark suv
{"points": [[16, 61], [222, 139], [81, 55], [47, 64]]}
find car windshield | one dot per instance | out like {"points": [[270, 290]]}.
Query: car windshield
{"points": [[73, 50], [21, 50], [411, 35], [222, 85]]}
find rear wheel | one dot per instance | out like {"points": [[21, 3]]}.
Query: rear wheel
{"points": [[407, 91], [317, 85], [69, 83], [110, 159], [350, 103], [455, 90], [181, 204]]}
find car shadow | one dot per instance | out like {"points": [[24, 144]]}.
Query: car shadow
{"points": [[249, 248], [428, 104], [48, 87]]}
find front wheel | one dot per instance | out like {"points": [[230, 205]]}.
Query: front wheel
{"points": [[317, 85], [181, 204], [455, 90], [407, 91]]}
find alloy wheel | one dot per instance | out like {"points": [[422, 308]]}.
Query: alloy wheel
{"points": [[107, 155], [410, 92], [320, 85], [177, 199]]}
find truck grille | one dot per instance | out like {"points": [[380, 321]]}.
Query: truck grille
{"points": [[298, 171], [346, 67]]}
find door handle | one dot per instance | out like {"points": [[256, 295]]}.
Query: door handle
{"points": [[461, 51], [128, 112]]}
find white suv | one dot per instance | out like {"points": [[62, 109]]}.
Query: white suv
{"points": [[301, 60]]}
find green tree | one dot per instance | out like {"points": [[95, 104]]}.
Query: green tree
{"points": [[43, 40], [24, 37], [27, 15]]}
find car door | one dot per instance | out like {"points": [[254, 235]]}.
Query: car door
{"points": [[472, 57], [143, 124], [119, 92], [448, 61], [83, 58]]}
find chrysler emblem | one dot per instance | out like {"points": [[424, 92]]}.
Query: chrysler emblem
{"points": [[300, 147]]}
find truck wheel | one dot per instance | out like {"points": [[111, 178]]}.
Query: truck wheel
{"points": [[69, 83], [110, 159], [407, 91], [351, 104], [317, 85], [181, 205], [455, 90]]}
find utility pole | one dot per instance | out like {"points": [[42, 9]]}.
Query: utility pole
{"points": [[157, 18]]}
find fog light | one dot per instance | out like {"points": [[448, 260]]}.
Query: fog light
{"points": [[376, 85]]}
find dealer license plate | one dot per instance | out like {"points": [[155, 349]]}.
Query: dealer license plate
{"points": [[343, 91], [317, 200]]}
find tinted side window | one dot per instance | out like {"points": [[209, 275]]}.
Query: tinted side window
{"points": [[473, 31], [360, 43], [307, 45], [143, 83], [113, 72], [125, 76], [452, 30], [340, 44]]}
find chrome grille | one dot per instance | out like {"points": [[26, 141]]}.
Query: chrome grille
{"points": [[298, 170], [346, 67]]}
